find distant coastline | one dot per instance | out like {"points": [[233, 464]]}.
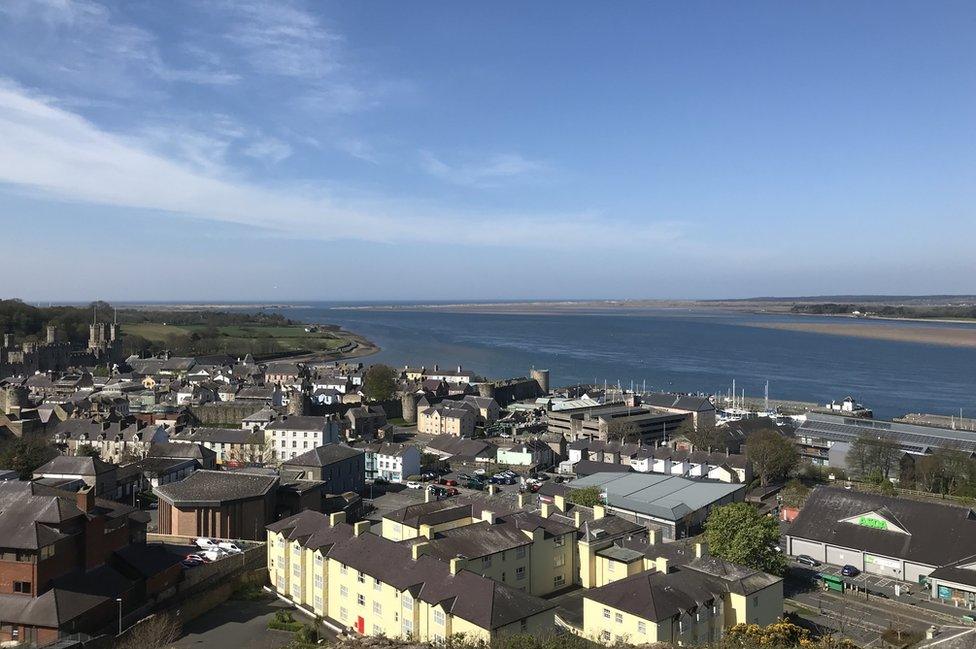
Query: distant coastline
{"points": [[946, 336]]}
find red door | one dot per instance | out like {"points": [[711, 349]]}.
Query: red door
{"points": [[361, 625]]}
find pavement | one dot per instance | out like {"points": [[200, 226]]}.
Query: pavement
{"points": [[235, 625]]}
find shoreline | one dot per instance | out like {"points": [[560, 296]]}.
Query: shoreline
{"points": [[942, 336], [363, 347]]}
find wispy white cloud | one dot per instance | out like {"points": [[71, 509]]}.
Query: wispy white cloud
{"points": [[490, 172], [359, 149], [268, 149], [57, 153]]}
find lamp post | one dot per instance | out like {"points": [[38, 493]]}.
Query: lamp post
{"points": [[119, 600]]}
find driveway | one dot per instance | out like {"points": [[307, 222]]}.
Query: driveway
{"points": [[235, 625]]}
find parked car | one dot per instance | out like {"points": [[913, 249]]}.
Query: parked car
{"points": [[194, 557], [192, 563], [230, 547], [413, 484], [214, 554], [464, 476], [807, 560], [451, 491], [205, 543], [534, 487], [849, 571], [479, 471], [449, 482]]}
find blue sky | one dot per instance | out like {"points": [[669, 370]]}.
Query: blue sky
{"points": [[445, 150]]}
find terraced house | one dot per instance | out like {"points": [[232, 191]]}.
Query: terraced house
{"points": [[376, 586]]}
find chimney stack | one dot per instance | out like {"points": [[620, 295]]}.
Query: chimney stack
{"points": [[336, 517], [599, 511], [418, 550], [85, 499], [700, 551], [360, 528], [661, 564], [456, 565], [653, 536]]}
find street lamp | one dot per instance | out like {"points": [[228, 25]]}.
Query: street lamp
{"points": [[119, 600]]}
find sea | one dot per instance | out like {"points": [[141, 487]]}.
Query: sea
{"points": [[686, 350]]}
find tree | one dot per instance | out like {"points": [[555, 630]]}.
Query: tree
{"points": [[870, 454], [87, 450], [773, 456], [794, 494], [379, 383], [587, 496], [154, 632], [26, 455], [740, 534], [705, 437]]}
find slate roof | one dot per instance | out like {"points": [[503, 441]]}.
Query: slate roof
{"points": [[214, 488], [74, 465], [299, 422], [662, 496], [220, 435], [324, 455], [677, 401], [939, 534]]}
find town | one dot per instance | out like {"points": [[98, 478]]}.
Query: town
{"points": [[163, 500]]}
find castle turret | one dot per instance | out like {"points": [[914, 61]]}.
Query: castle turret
{"points": [[298, 403], [52, 334], [542, 378], [409, 404]]}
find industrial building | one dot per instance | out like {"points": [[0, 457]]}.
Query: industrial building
{"points": [[616, 422], [674, 505]]}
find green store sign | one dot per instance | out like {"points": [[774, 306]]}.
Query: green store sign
{"points": [[876, 523]]}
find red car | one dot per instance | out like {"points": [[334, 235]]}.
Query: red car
{"points": [[450, 483], [452, 491]]}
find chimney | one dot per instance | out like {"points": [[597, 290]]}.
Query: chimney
{"points": [[360, 528], [700, 551], [560, 502], [418, 550], [546, 510], [492, 489], [426, 531], [459, 369], [85, 499], [456, 565], [578, 518], [599, 511], [488, 517], [337, 517], [522, 501], [653, 536], [428, 494], [661, 564]]}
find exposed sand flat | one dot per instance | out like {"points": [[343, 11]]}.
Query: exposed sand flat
{"points": [[949, 336]]}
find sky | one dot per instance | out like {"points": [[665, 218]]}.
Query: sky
{"points": [[254, 151]]}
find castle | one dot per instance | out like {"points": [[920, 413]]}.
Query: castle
{"points": [[54, 354]]}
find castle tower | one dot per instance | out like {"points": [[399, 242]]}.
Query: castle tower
{"points": [[52, 335], [408, 403], [542, 378], [298, 403], [92, 336]]}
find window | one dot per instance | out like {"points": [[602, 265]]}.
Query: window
{"points": [[318, 559], [520, 572], [377, 608], [297, 570], [486, 562], [361, 599], [377, 629], [618, 618], [377, 585], [407, 627], [523, 625], [22, 587], [343, 569], [755, 601], [318, 602], [407, 602], [558, 560], [558, 580], [343, 591], [606, 613], [610, 566], [343, 613], [438, 617], [520, 552], [559, 541], [641, 627], [318, 581], [361, 578]]}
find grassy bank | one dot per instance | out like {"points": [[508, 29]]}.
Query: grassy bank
{"points": [[260, 340]]}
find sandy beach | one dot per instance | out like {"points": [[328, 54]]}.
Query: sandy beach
{"points": [[947, 336]]}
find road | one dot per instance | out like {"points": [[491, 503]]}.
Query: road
{"points": [[236, 625]]}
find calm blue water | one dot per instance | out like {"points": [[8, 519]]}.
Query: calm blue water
{"points": [[674, 349]]}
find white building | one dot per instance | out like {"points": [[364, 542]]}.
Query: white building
{"points": [[293, 435], [392, 462]]}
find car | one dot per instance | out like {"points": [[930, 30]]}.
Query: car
{"points": [[192, 563], [194, 557], [807, 560], [849, 571], [449, 482], [214, 554], [464, 476], [451, 491], [229, 547], [413, 484], [510, 473], [534, 487], [479, 471], [205, 543]]}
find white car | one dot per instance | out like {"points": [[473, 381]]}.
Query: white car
{"points": [[205, 543], [227, 546], [413, 484], [479, 471], [214, 554]]}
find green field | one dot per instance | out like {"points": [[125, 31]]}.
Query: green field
{"points": [[237, 339]]}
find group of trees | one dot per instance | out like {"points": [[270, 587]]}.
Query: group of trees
{"points": [[380, 382], [773, 456], [24, 455], [873, 458], [888, 310], [740, 534]]}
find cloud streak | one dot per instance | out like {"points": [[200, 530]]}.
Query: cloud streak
{"points": [[491, 172], [57, 153]]}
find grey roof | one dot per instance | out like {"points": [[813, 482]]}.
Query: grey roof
{"points": [[477, 540], [666, 497], [461, 446], [589, 467], [688, 402], [910, 437], [219, 435], [214, 488], [181, 450], [324, 455], [938, 534], [298, 422], [74, 465]]}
